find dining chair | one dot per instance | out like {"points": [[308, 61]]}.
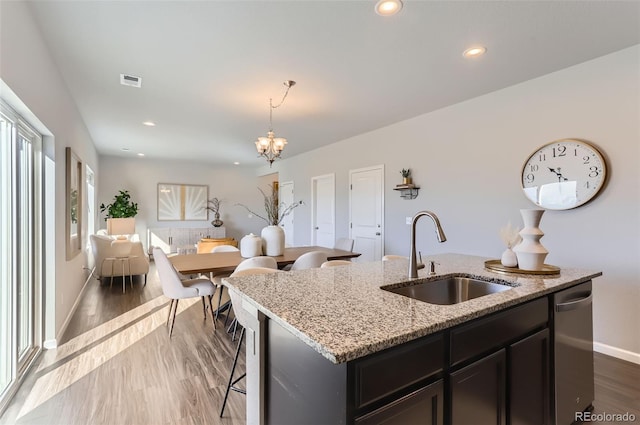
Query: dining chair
{"points": [[176, 289], [345, 244], [217, 278], [242, 318], [224, 248], [391, 257], [310, 260], [335, 263], [260, 261]]}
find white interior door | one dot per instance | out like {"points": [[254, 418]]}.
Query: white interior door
{"points": [[323, 198], [366, 212], [285, 196]]}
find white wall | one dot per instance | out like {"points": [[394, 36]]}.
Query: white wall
{"points": [[232, 185], [30, 72], [467, 158]]}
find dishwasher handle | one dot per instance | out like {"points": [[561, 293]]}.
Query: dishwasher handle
{"points": [[575, 304]]}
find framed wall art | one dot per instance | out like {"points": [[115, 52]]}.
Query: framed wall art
{"points": [[182, 202]]}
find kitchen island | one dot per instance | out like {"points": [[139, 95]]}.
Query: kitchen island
{"points": [[331, 346]]}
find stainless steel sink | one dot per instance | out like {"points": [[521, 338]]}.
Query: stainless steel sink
{"points": [[452, 290]]}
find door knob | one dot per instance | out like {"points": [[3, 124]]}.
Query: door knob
{"points": [[317, 228], [377, 233]]}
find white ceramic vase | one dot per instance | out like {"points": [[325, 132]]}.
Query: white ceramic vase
{"points": [[530, 252], [250, 246], [273, 241], [509, 258]]}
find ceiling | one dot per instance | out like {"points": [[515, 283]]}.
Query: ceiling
{"points": [[208, 68]]}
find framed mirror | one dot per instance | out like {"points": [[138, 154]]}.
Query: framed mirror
{"points": [[73, 210]]}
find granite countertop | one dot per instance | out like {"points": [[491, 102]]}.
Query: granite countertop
{"points": [[342, 313]]}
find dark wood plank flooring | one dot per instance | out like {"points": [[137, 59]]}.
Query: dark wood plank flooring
{"points": [[116, 365], [617, 384], [122, 368]]}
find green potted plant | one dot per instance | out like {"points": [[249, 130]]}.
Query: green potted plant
{"points": [[120, 214], [406, 176]]}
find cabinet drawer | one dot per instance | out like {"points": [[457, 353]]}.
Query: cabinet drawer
{"points": [[384, 373], [423, 407], [483, 335]]}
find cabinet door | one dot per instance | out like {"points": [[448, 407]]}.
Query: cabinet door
{"points": [[423, 407], [478, 391], [529, 395]]}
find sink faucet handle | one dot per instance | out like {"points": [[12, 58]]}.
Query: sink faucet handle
{"points": [[420, 264]]}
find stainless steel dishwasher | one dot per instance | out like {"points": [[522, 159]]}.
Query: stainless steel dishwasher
{"points": [[573, 352]]}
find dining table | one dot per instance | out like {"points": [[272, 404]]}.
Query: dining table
{"points": [[216, 263], [226, 262]]}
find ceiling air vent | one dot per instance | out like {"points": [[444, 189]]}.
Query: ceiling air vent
{"points": [[130, 80]]}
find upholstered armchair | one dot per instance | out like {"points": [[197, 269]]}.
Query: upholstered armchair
{"points": [[104, 256]]}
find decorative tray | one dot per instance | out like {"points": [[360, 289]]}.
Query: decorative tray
{"points": [[496, 266]]}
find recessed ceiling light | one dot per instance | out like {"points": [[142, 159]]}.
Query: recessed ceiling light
{"points": [[125, 149], [236, 163], [140, 154], [473, 52], [388, 7], [149, 123]]}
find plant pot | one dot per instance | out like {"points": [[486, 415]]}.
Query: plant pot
{"points": [[273, 241], [121, 226], [407, 180]]}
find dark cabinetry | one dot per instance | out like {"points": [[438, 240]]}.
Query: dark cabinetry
{"points": [[530, 380], [492, 370], [424, 407], [509, 381], [478, 391]]}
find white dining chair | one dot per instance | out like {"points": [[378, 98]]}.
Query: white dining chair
{"points": [[217, 278], [262, 261], [344, 244], [310, 260], [335, 263], [177, 289], [392, 257], [224, 248], [242, 317]]}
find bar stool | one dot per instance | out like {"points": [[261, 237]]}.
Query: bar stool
{"points": [[242, 318]]}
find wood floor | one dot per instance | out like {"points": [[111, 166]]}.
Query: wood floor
{"points": [[117, 366]]}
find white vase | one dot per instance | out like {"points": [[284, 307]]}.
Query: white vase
{"points": [[509, 258], [273, 241], [250, 246], [530, 252]]}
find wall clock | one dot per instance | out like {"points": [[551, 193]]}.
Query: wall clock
{"points": [[563, 174]]}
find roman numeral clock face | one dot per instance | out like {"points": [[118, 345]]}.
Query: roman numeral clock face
{"points": [[563, 174]]}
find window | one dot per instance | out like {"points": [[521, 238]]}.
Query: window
{"points": [[21, 247]]}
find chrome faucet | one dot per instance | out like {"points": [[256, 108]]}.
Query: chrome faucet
{"points": [[413, 268]]}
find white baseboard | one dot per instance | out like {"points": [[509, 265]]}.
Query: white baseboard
{"points": [[50, 344], [53, 343], [619, 353]]}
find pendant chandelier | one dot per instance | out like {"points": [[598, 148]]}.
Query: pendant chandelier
{"points": [[271, 147]]}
